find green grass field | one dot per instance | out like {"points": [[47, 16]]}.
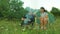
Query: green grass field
{"points": [[13, 27]]}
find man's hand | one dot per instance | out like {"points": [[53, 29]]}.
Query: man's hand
{"points": [[22, 19], [29, 20]]}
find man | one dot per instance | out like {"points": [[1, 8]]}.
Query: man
{"points": [[27, 20]]}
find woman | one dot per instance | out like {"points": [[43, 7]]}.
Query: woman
{"points": [[42, 18]]}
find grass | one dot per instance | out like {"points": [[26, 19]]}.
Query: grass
{"points": [[13, 27]]}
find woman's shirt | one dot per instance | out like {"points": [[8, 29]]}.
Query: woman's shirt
{"points": [[44, 14]]}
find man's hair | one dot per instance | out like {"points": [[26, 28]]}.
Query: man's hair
{"points": [[24, 16]]}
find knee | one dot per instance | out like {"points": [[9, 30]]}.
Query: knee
{"points": [[41, 19], [45, 19]]}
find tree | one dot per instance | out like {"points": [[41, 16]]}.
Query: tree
{"points": [[16, 9], [55, 11], [12, 9]]}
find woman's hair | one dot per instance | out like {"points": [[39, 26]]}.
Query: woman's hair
{"points": [[43, 9]]}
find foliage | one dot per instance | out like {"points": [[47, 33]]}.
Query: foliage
{"points": [[55, 11], [12, 9]]}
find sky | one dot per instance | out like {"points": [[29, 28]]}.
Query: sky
{"points": [[36, 4]]}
